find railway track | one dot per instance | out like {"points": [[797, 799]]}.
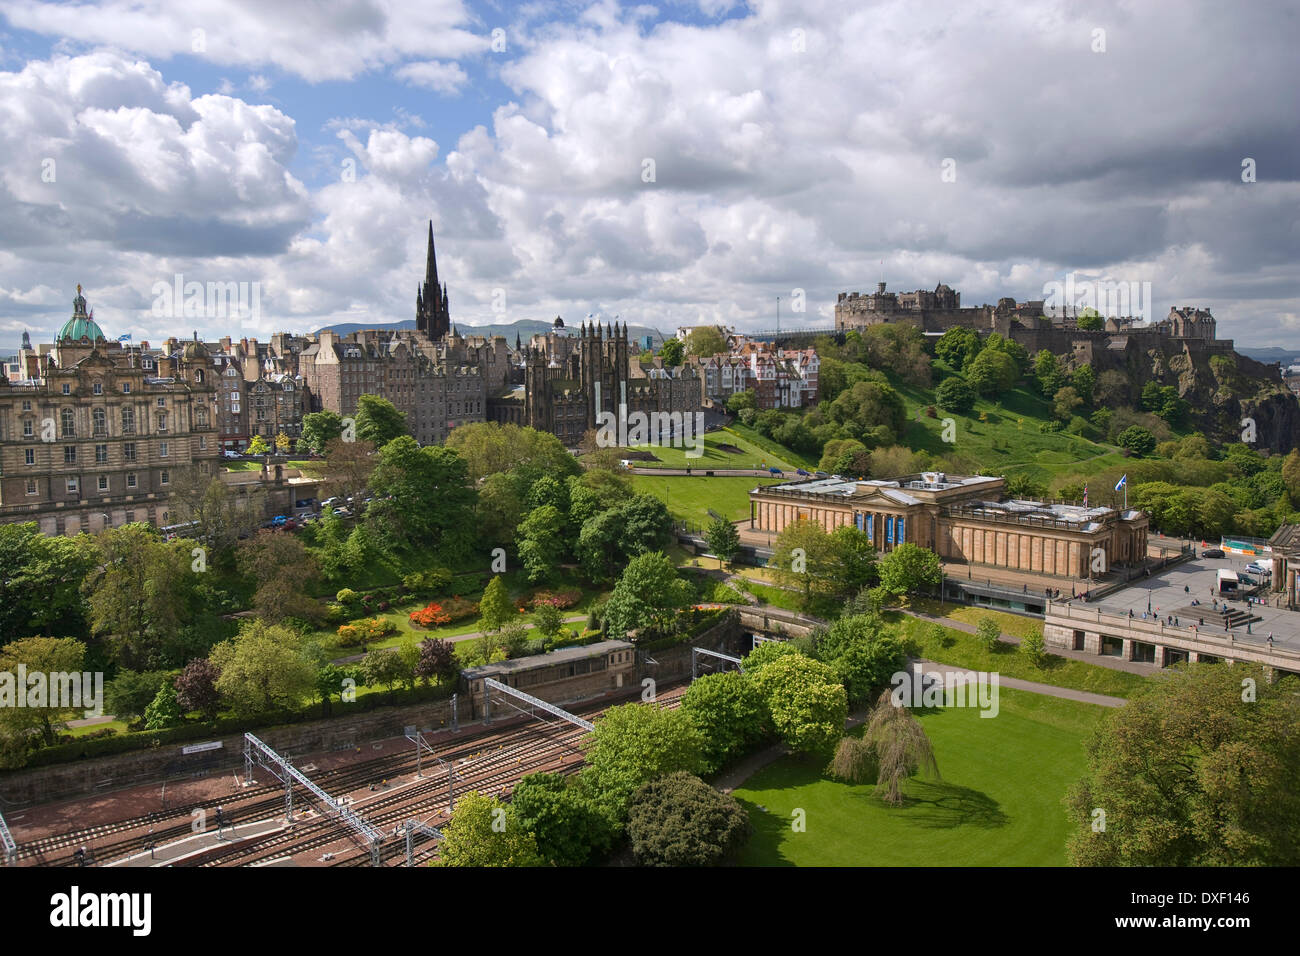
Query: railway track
{"points": [[131, 836]]}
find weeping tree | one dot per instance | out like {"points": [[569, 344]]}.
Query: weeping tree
{"points": [[901, 748], [854, 761]]}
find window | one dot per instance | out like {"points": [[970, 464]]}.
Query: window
{"points": [[30, 455], [126, 388], [98, 388], [201, 417], [67, 389], [164, 477], [162, 403], [101, 454], [130, 517], [162, 421], [198, 376], [130, 479], [31, 486], [162, 449], [128, 450], [69, 423], [72, 486], [128, 420], [99, 422], [28, 428], [69, 454], [102, 482], [203, 443], [27, 404]]}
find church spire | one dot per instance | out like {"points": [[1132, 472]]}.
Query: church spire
{"points": [[431, 262]]}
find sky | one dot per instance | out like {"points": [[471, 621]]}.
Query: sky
{"points": [[669, 164]]}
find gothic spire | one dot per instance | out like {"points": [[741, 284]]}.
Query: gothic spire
{"points": [[431, 262]]}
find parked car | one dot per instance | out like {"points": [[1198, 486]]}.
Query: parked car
{"points": [[231, 454], [800, 471], [1254, 568], [776, 471], [1212, 553], [279, 521], [330, 503]]}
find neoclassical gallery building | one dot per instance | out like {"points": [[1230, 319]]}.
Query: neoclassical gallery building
{"points": [[964, 519]]}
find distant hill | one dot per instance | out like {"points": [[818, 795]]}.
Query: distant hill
{"points": [[1274, 354], [524, 327]]}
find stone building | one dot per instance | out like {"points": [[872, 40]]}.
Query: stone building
{"points": [[779, 378], [96, 436], [962, 519]]}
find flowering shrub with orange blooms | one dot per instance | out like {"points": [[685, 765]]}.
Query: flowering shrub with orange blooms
{"points": [[431, 616], [559, 599]]}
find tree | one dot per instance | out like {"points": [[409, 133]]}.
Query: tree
{"points": [[422, 499], [37, 655], [957, 346], [647, 525], [805, 702], [872, 411], [1197, 769], [1024, 486], [706, 341], [163, 711], [570, 828], [739, 401], [488, 448], [1291, 475], [955, 395], [801, 558], [672, 352], [284, 572], [1047, 372], [988, 632], [647, 597], [548, 619], [1064, 402], [679, 820], [854, 761], [258, 446], [910, 568], [385, 666], [378, 421], [633, 744], [347, 467], [128, 695], [541, 546], [495, 607], [196, 688], [282, 443], [992, 372], [1033, 647], [1084, 380], [729, 714], [141, 592], [437, 661], [766, 653], [1137, 440], [723, 540], [850, 561], [40, 580], [483, 831], [262, 668], [222, 516], [863, 655], [319, 429], [847, 457], [901, 747], [1090, 320]]}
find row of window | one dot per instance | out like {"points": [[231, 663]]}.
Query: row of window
{"points": [[99, 422], [73, 484], [101, 452]]}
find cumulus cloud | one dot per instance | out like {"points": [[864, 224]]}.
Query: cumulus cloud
{"points": [[446, 78]]}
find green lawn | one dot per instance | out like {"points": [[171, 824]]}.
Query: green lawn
{"points": [[962, 650], [744, 435], [1017, 625], [689, 497], [998, 804], [755, 452]]}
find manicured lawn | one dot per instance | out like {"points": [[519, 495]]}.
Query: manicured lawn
{"points": [[690, 497], [747, 435], [962, 650], [1014, 624], [998, 804], [754, 452]]}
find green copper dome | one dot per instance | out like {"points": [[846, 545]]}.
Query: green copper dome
{"points": [[81, 325]]}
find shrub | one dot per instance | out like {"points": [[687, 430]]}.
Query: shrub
{"points": [[346, 596], [348, 635], [559, 599], [1033, 647], [679, 820], [987, 632], [427, 582], [459, 608], [431, 615]]}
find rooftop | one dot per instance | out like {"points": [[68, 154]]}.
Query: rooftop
{"points": [[563, 655]]}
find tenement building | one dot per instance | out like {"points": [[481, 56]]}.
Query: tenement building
{"points": [[963, 519], [96, 436]]}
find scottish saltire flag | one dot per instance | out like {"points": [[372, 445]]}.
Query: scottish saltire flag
{"points": [[1122, 482], [124, 338]]}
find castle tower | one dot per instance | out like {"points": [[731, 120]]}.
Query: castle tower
{"points": [[432, 316]]}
